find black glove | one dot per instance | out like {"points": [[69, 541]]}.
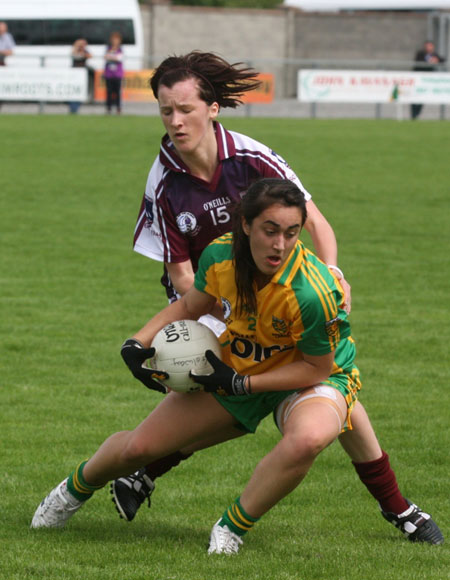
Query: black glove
{"points": [[224, 380], [135, 355]]}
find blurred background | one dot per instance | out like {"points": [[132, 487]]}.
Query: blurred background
{"points": [[279, 39]]}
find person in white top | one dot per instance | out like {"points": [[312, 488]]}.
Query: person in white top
{"points": [[7, 43]]}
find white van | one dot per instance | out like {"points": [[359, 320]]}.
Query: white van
{"points": [[44, 30]]}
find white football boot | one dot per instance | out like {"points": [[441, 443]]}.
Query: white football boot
{"points": [[56, 508], [223, 540]]}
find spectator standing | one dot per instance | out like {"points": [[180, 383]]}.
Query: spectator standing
{"points": [[113, 73], [7, 44], [431, 59], [80, 55]]}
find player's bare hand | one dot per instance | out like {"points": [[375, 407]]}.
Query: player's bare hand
{"points": [[347, 295]]}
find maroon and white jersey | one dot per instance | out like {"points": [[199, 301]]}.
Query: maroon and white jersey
{"points": [[181, 214]]}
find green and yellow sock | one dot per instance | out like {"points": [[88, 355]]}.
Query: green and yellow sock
{"points": [[237, 519], [77, 486]]}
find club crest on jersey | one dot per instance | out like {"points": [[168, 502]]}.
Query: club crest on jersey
{"points": [[332, 326], [280, 327], [187, 223], [148, 204], [226, 306]]}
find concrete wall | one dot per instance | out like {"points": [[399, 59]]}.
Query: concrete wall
{"points": [[254, 36], [272, 40], [237, 33], [376, 40], [384, 36]]}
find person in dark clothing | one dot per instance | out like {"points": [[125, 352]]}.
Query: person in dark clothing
{"points": [[80, 55], [431, 59]]}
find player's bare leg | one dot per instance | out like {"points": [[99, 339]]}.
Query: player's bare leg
{"points": [[310, 427], [360, 443], [131, 491], [179, 420]]}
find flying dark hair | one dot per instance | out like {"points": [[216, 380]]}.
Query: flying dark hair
{"points": [[260, 195], [219, 81]]}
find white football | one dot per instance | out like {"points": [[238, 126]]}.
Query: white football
{"points": [[180, 348]]}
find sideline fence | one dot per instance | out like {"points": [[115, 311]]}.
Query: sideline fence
{"points": [[281, 81]]}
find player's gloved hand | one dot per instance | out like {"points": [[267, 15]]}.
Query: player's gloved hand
{"points": [[135, 355], [224, 380]]}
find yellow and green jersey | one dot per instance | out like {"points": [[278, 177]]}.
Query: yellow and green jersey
{"points": [[298, 311]]}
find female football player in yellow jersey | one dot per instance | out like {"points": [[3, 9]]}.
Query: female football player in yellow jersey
{"points": [[281, 303], [200, 170]]}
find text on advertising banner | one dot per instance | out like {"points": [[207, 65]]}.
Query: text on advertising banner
{"points": [[43, 84], [346, 86]]}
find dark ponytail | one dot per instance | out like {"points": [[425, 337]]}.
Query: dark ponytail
{"points": [[218, 80]]}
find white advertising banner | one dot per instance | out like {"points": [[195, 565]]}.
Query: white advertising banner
{"points": [[43, 84], [346, 86]]}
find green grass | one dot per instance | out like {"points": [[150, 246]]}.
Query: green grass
{"points": [[72, 290]]}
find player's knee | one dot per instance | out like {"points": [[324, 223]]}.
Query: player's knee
{"points": [[307, 446], [135, 450]]}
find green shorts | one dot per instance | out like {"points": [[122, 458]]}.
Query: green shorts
{"points": [[348, 384], [250, 411]]}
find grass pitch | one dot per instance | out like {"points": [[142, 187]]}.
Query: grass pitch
{"points": [[73, 290]]}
